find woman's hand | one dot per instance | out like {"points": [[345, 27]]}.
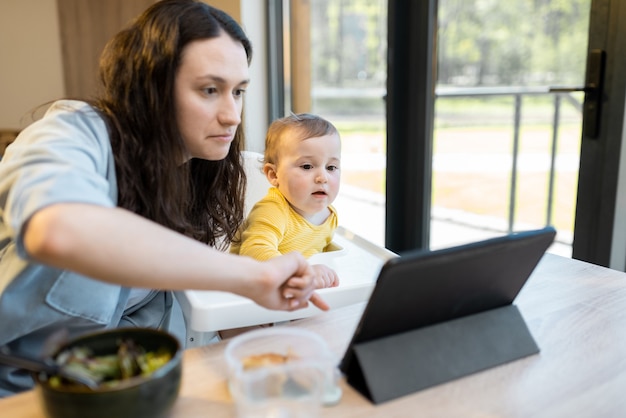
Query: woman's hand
{"points": [[289, 284], [325, 276]]}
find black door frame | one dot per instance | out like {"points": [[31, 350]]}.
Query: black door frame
{"points": [[410, 114], [600, 224], [600, 230]]}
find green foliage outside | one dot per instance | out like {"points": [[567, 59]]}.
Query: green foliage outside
{"points": [[528, 42], [479, 42]]}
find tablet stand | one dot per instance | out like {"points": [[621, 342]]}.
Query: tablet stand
{"points": [[400, 364]]}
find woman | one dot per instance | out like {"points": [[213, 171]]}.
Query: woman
{"points": [[107, 206]]}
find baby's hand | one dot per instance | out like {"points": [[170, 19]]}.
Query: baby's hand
{"points": [[324, 276]]}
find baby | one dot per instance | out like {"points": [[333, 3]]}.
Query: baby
{"points": [[302, 163]]}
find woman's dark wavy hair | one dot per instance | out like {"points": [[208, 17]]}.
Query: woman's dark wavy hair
{"points": [[201, 199]]}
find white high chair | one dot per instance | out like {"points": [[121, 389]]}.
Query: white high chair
{"points": [[256, 183], [356, 261]]}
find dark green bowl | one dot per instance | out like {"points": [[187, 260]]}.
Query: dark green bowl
{"points": [[151, 396]]}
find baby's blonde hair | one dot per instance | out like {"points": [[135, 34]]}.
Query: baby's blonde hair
{"points": [[299, 126]]}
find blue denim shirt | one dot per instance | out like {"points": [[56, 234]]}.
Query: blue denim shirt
{"points": [[64, 157]]}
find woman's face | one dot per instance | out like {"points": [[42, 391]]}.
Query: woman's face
{"points": [[208, 91]]}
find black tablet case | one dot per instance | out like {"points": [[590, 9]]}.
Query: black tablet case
{"points": [[434, 316]]}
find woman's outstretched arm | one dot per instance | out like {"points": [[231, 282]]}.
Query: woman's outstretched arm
{"points": [[117, 246]]}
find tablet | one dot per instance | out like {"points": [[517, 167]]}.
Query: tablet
{"points": [[421, 288]]}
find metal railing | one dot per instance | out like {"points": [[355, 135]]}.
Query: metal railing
{"points": [[518, 93]]}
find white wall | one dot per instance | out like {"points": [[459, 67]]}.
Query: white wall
{"points": [[617, 259], [30, 59], [253, 14]]}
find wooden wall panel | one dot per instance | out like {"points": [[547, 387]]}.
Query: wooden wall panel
{"points": [[300, 61], [86, 26], [231, 7]]}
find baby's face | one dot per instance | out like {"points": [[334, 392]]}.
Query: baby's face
{"points": [[308, 174]]}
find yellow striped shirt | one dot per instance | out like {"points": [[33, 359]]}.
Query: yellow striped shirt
{"points": [[274, 228]]}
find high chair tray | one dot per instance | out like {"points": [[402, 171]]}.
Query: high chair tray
{"points": [[356, 261]]}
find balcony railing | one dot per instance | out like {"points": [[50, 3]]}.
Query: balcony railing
{"points": [[518, 93], [364, 211]]}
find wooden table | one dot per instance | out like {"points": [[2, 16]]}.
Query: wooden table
{"points": [[576, 312]]}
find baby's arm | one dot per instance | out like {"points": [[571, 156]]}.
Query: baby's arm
{"points": [[324, 276]]}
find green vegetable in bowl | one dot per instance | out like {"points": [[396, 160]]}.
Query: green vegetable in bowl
{"points": [[131, 360]]}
